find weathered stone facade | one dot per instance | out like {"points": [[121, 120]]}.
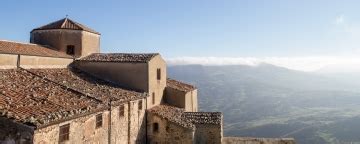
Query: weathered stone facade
{"points": [[48, 95]]}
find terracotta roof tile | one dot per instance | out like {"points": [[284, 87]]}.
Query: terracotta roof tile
{"points": [[66, 23], [120, 57], [89, 85], [204, 117], [172, 114], [27, 98], [179, 85], [8, 47]]}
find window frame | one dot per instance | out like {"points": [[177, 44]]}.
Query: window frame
{"points": [[70, 49], [64, 133], [99, 120], [158, 74], [140, 105], [156, 127], [121, 111]]}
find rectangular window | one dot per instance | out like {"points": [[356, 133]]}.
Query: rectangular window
{"points": [[140, 105], [153, 98], [99, 120], [155, 127], [121, 110], [64, 133], [70, 49], [158, 73]]}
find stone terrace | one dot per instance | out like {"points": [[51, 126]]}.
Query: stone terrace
{"points": [[30, 99], [89, 85]]}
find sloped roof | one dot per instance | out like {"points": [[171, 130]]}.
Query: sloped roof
{"points": [[172, 114], [30, 99], [214, 118], [66, 23], [88, 84], [120, 57], [179, 85], [8, 47]]}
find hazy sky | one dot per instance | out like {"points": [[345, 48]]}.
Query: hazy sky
{"points": [[201, 28]]}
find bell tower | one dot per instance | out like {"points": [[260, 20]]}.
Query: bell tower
{"points": [[67, 36]]}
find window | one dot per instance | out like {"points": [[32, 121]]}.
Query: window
{"points": [[153, 98], [64, 133], [99, 120], [121, 111], [158, 73], [155, 127], [140, 105], [70, 50]]}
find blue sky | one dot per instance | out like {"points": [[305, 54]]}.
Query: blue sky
{"points": [[201, 28]]}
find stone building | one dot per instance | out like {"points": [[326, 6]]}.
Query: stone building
{"points": [[59, 89]]}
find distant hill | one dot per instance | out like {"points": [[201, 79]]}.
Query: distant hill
{"points": [[270, 101]]}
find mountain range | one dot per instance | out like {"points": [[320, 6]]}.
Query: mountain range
{"points": [[271, 101]]}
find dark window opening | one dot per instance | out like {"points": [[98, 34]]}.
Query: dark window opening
{"points": [[70, 50], [140, 105], [64, 133], [153, 98], [155, 127], [99, 120], [121, 111], [158, 72]]}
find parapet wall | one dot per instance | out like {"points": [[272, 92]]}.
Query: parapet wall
{"points": [[249, 140], [10, 61]]}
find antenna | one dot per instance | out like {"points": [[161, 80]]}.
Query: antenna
{"points": [[66, 16]]}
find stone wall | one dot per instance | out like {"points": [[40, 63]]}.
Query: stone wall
{"points": [[247, 140], [82, 130], [182, 99], [8, 61], [44, 62], [90, 43], [129, 75], [58, 39], [168, 132], [156, 86], [208, 134], [84, 42], [11, 132]]}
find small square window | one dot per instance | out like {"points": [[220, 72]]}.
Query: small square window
{"points": [[64, 133], [140, 105], [99, 120], [121, 110], [70, 49], [158, 73]]}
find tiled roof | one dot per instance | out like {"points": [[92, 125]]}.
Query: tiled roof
{"points": [[172, 114], [66, 23], [204, 117], [179, 85], [29, 99], [120, 57], [8, 47], [90, 85]]}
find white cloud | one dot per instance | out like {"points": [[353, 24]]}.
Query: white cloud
{"points": [[323, 64], [339, 19]]}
